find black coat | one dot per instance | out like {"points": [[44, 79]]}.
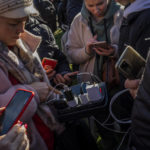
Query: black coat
{"points": [[48, 47], [135, 31], [141, 113], [47, 12], [73, 8]]}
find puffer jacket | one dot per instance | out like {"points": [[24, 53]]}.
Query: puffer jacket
{"points": [[48, 47], [140, 136], [47, 12]]}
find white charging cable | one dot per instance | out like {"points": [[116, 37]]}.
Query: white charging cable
{"points": [[114, 98]]}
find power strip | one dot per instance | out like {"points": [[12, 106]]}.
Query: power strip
{"points": [[94, 92]]}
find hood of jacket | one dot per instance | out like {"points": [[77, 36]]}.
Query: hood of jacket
{"points": [[112, 8], [98, 27], [136, 6]]}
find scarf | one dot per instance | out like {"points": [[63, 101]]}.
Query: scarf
{"points": [[21, 63]]}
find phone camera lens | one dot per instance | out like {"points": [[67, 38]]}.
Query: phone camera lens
{"points": [[125, 66]]}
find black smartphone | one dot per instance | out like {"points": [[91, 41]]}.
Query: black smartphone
{"points": [[130, 64], [102, 44], [15, 109]]}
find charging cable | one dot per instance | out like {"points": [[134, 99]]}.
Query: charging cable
{"points": [[51, 93], [123, 139], [93, 77], [107, 128], [114, 98]]}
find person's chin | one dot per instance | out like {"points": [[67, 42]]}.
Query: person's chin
{"points": [[12, 42]]}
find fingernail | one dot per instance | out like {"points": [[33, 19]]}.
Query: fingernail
{"points": [[20, 123], [26, 126]]}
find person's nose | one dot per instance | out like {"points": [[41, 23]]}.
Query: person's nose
{"points": [[20, 27], [97, 10]]}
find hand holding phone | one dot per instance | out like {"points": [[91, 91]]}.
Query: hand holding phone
{"points": [[131, 64], [49, 71], [49, 62], [101, 44], [17, 136], [103, 48], [15, 109]]}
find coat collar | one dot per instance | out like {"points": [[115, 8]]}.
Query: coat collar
{"points": [[32, 41]]}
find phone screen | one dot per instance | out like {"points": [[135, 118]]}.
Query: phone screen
{"points": [[14, 109]]}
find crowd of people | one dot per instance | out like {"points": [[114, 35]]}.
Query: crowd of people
{"points": [[27, 36]]}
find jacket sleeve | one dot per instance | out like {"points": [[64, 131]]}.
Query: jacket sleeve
{"points": [[76, 45], [142, 34], [7, 90], [141, 112]]}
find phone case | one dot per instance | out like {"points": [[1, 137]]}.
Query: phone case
{"points": [[102, 44], [25, 104], [130, 64], [49, 62]]}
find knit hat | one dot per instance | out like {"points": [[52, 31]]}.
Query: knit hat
{"points": [[17, 8]]}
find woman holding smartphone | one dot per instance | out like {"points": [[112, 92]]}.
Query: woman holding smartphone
{"points": [[89, 28], [20, 68]]}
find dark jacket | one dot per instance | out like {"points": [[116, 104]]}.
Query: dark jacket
{"points": [[47, 12], [135, 31], [141, 113], [61, 11], [73, 8], [48, 47]]}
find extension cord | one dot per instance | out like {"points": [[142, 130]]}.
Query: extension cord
{"points": [[84, 98]]}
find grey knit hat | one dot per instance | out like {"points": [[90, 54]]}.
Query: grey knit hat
{"points": [[17, 8]]}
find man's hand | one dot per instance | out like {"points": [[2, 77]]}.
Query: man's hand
{"points": [[15, 139], [132, 85], [66, 79]]}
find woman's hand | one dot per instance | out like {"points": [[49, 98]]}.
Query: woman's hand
{"points": [[89, 46], [66, 79], [49, 71], [2, 110], [132, 85], [15, 139], [104, 52]]}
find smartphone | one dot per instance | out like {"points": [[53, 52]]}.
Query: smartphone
{"points": [[49, 62], [131, 64], [15, 108], [102, 44]]}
